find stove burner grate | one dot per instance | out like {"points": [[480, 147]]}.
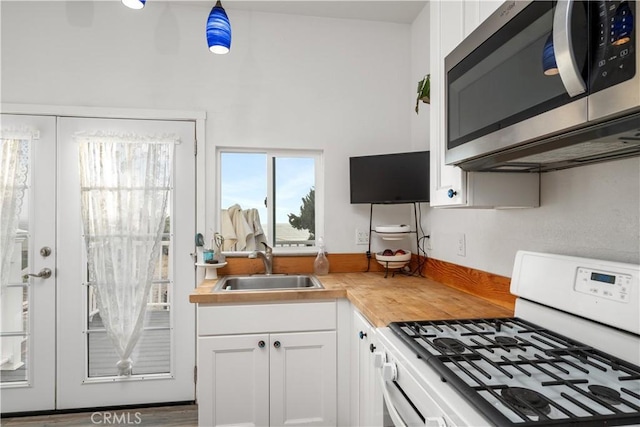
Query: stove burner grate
{"points": [[513, 361], [449, 345], [506, 341], [609, 395], [529, 402]]}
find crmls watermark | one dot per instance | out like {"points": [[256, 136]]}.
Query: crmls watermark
{"points": [[114, 418]]}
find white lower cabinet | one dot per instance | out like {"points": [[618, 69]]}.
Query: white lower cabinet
{"points": [[233, 381], [303, 379], [266, 375], [366, 394]]}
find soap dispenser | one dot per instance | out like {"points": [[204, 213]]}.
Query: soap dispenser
{"points": [[321, 263]]}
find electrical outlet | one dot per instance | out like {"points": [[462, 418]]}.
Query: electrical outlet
{"points": [[462, 247], [362, 237]]}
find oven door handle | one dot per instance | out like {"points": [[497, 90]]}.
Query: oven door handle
{"points": [[435, 422], [563, 49], [393, 412], [395, 415]]}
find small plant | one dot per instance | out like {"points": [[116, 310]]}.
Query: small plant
{"points": [[424, 91]]}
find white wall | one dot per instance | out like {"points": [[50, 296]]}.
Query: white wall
{"points": [[345, 86], [590, 211], [289, 81]]}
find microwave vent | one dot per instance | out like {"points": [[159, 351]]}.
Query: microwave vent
{"points": [[578, 151], [608, 140]]}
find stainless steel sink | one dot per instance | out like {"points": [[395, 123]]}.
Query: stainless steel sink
{"points": [[271, 282]]}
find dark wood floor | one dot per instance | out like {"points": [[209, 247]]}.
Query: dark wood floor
{"points": [[171, 416]]}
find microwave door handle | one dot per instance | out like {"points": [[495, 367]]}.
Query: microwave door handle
{"points": [[563, 49]]}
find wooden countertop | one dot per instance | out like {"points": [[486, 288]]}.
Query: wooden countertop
{"points": [[381, 300]]}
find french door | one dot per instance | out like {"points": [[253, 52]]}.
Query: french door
{"points": [[69, 361], [28, 305]]}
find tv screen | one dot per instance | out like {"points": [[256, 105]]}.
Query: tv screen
{"points": [[390, 178]]}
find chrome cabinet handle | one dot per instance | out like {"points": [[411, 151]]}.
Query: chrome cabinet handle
{"points": [[563, 49], [276, 344], [45, 273], [261, 344]]}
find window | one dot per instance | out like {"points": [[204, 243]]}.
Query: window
{"points": [[270, 196]]}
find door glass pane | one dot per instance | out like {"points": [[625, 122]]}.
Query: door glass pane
{"points": [[152, 353], [294, 201], [14, 300]]}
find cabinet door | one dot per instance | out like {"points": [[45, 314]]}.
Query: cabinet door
{"points": [[233, 380], [376, 400], [451, 22], [361, 370], [303, 379], [448, 183]]}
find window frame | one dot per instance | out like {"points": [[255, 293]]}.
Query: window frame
{"points": [[271, 153]]}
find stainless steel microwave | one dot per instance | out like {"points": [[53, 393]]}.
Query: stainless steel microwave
{"points": [[545, 85]]}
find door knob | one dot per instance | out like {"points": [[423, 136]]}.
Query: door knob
{"points": [[45, 273]]}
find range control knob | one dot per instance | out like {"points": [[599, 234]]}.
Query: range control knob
{"points": [[379, 358], [389, 371]]}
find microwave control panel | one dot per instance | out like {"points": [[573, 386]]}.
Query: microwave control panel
{"points": [[613, 41], [603, 284]]}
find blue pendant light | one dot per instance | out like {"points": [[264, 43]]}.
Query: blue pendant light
{"points": [[549, 58], [218, 30], [134, 4]]}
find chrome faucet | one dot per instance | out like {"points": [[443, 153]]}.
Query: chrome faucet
{"points": [[267, 258]]}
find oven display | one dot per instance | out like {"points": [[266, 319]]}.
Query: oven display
{"points": [[603, 284], [604, 278]]}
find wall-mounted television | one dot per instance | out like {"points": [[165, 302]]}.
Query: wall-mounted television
{"points": [[390, 178]]}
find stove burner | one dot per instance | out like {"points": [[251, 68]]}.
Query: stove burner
{"points": [[607, 394], [506, 341], [449, 345], [529, 402]]}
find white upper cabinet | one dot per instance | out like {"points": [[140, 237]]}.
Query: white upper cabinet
{"points": [[450, 23]]}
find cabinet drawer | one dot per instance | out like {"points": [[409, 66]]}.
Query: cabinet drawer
{"points": [[258, 318]]}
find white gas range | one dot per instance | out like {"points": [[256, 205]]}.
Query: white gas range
{"points": [[569, 356]]}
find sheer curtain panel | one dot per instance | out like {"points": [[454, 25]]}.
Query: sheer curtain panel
{"points": [[14, 165], [125, 182]]}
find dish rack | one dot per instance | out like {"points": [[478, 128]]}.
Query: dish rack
{"points": [[393, 232]]}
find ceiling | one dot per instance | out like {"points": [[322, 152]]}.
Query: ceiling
{"points": [[398, 11]]}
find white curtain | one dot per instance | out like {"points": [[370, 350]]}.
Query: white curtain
{"points": [[14, 166], [125, 182]]}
